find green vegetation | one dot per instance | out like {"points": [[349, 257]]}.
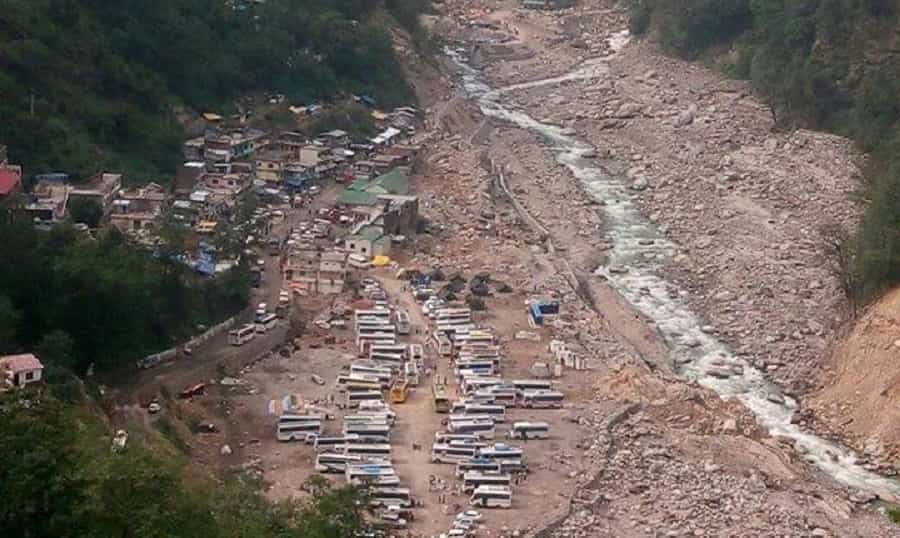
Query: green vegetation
{"points": [[60, 479], [90, 85], [822, 64], [79, 301]]}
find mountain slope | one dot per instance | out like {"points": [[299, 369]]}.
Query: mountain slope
{"points": [[88, 84]]}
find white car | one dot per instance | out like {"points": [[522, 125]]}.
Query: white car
{"points": [[472, 515]]}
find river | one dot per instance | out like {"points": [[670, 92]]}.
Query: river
{"points": [[640, 250]]}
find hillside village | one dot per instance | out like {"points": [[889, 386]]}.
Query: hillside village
{"points": [[503, 314]]}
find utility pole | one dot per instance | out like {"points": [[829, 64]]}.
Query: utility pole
{"points": [[31, 104]]}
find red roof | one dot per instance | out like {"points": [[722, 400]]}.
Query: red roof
{"points": [[9, 180], [20, 363]]}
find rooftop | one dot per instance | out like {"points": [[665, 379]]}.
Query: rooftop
{"points": [[369, 233], [20, 363], [10, 177]]}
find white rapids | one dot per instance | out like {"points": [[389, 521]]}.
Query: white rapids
{"points": [[640, 248]]}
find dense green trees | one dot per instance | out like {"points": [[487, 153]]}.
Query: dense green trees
{"points": [[824, 64], [59, 480], [79, 300], [89, 84]]}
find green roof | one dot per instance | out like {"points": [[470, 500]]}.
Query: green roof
{"points": [[369, 233], [362, 192], [394, 182], [353, 197]]}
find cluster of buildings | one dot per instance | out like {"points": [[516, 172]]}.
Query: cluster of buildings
{"points": [[221, 166]]}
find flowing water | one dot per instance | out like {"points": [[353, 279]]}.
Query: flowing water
{"points": [[641, 249]]}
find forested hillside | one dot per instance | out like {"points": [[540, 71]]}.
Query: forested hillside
{"points": [[823, 64], [90, 84], [59, 479]]}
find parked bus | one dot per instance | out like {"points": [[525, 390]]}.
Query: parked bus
{"points": [[359, 380], [442, 343], [441, 453], [474, 383], [497, 412], [383, 496], [529, 430], [380, 451], [297, 431], [357, 474], [454, 314], [504, 397], [476, 464], [411, 373], [447, 437], [334, 444], [266, 323], [366, 419], [542, 399], [403, 325], [440, 399], [491, 497], [532, 384], [353, 398], [362, 429], [239, 337], [474, 479], [306, 417], [481, 428], [330, 462], [501, 451], [416, 352]]}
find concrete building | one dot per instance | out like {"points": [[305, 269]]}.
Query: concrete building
{"points": [[368, 241], [137, 209], [102, 189]]}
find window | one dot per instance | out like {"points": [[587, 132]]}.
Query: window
{"points": [[29, 376], [364, 249]]}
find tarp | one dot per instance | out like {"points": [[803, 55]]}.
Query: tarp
{"points": [[380, 261]]}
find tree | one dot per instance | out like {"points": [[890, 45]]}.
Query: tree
{"points": [[57, 348], [85, 211], [10, 318], [841, 256], [41, 488]]}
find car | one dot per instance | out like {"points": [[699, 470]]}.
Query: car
{"points": [[315, 189], [473, 515], [154, 408]]}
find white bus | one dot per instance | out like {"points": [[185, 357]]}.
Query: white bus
{"points": [[393, 360], [297, 431], [455, 314], [474, 383], [476, 366], [442, 343], [542, 399], [377, 313], [390, 497], [501, 451], [491, 497], [366, 430], [532, 384], [366, 419], [529, 430], [356, 474], [360, 380], [474, 479], [411, 374], [476, 464], [369, 339], [266, 323], [306, 417], [481, 428], [441, 453], [330, 462], [334, 444], [239, 337], [447, 437], [497, 396], [379, 451], [403, 325], [353, 398], [497, 412]]}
